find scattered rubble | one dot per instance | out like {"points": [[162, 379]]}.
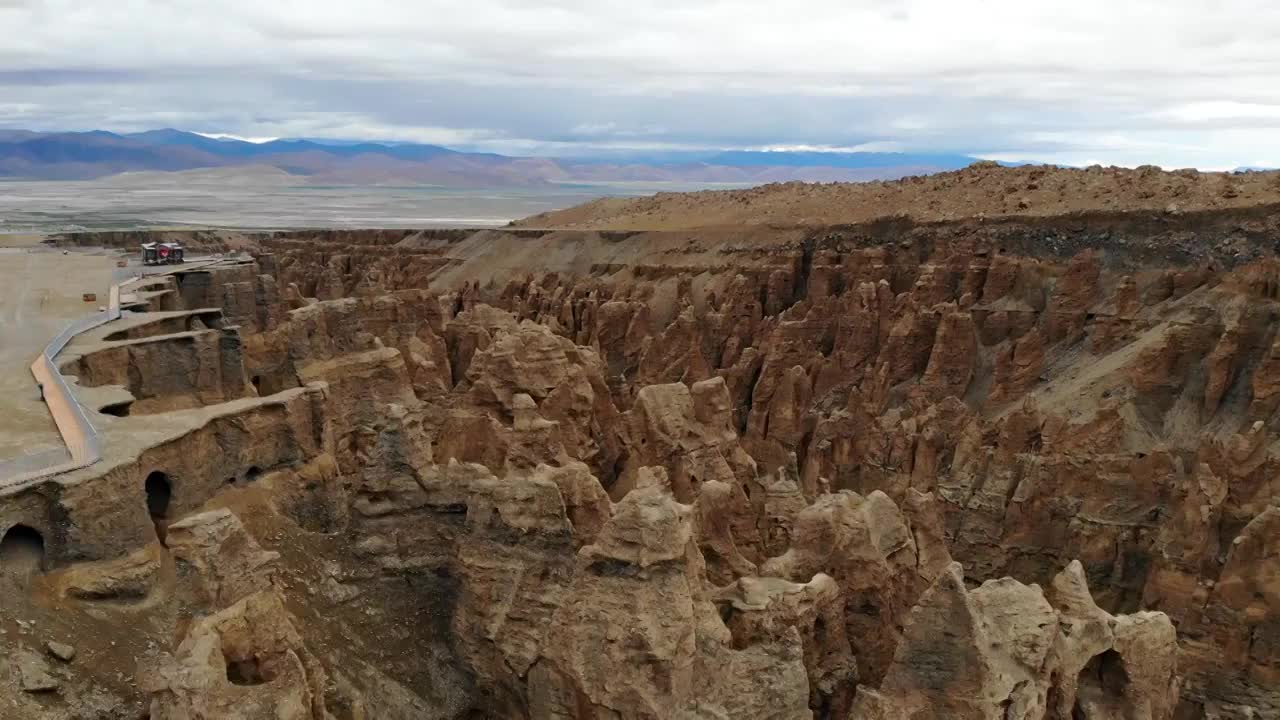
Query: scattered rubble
{"points": [[61, 651]]}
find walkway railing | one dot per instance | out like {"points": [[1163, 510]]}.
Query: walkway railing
{"points": [[83, 444]]}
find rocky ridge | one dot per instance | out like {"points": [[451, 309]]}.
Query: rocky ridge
{"points": [[982, 190]]}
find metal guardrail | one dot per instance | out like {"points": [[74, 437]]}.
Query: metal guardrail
{"points": [[81, 439]]}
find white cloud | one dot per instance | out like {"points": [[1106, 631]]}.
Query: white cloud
{"points": [[1220, 110], [1118, 80], [888, 146]]}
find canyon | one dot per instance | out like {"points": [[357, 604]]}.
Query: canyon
{"points": [[949, 463]]}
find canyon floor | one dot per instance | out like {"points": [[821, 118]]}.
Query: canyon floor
{"points": [[995, 444]]}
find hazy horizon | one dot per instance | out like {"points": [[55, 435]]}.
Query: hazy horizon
{"points": [[155, 201]]}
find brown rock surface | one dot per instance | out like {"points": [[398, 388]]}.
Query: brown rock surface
{"points": [[247, 661], [815, 472], [1004, 651]]}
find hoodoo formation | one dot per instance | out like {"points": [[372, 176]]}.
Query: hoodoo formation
{"points": [[968, 463]]}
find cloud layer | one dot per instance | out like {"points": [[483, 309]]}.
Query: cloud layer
{"points": [[1176, 83]]}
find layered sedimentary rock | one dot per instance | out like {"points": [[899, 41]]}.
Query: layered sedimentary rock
{"points": [[883, 471], [246, 659], [1004, 650]]}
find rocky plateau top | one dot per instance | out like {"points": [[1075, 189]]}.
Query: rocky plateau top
{"points": [[982, 190]]}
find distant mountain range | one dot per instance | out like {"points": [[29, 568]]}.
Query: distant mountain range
{"points": [[88, 155]]}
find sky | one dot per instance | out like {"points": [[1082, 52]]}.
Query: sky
{"points": [[1176, 83]]}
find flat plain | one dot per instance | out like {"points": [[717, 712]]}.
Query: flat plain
{"points": [[255, 200]]}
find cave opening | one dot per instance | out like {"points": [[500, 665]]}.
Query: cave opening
{"points": [[159, 494], [246, 672], [253, 474], [120, 409], [21, 552], [1102, 688]]}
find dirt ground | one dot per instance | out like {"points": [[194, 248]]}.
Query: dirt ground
{"points": [[40, 292]]}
